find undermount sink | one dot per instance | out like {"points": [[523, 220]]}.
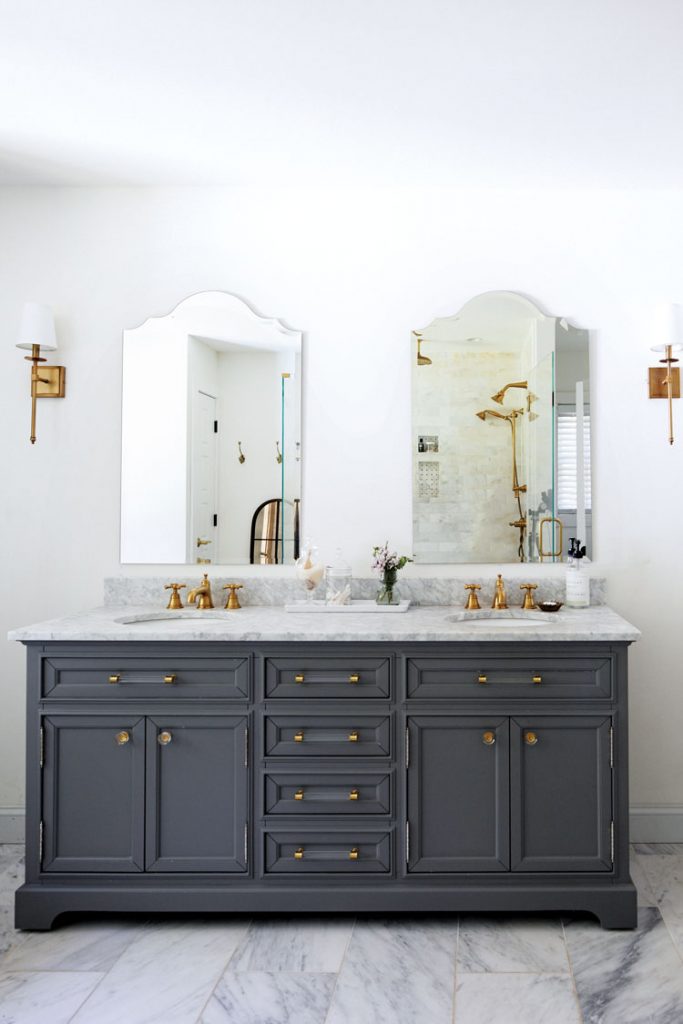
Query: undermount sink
{"points": [[511, 618]]}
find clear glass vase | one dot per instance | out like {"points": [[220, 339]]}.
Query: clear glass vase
{"points": [[388, 591]]}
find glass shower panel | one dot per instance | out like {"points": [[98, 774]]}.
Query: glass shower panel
{"points": [[544, 541]]}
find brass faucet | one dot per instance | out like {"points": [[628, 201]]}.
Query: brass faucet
{"points": [[500, 597], [174, 600], [233, 602], [472, 599], [203, 592], [528, 604]]}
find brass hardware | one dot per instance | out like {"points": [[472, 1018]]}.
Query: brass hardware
{"points": [[354, 678], [353, 795], [46, 381], [549, 554], [500, 600], [241, 458], [511, 417], [421, 360], [472, 599], [201, 541], [482, 678], [174, 600], [299, 678], [353, 853], [299, 854], [531, 739], [203, 592], [171, 678], [232, 604], [528, 603], [670, 384], [658, 384], [122, 737], [489, 738], [537, 679], [500, 395], [299, 795], [278, 455], [164, 738], [353, 737], [115, 678], [202, 561], [298, 737]]}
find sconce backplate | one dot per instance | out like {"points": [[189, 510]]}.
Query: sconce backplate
{"points": [[54, 384]]}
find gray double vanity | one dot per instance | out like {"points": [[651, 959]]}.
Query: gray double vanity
{"points": [[255, 759]]}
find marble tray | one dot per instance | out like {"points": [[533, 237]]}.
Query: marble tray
{"points": [[355, 606]]}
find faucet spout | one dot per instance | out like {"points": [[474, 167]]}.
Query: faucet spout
{"points": [[203, 592]]}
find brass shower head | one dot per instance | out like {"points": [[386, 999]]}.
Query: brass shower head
{"points": [[421, 360], [500, 395]]}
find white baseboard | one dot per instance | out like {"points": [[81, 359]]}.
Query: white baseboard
{"points": [[662, 824]]}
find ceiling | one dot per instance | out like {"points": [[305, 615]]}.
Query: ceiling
{"points": [[511, 93]]}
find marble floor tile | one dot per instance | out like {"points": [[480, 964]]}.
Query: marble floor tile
{"points": [[258, 997], [397, 972], [641, 880], [43, 997], [665, 875], [627, 977], [303, 944], [529, 945], [11, 871], [658, 849], [9, 936], [91, 946], [166, 976], [515, 999]]}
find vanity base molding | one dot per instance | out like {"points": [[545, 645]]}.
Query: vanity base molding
{"points": [[218, 777]]}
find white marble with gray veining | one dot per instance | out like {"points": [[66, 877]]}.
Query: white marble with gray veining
{"points": [[298, 944], [664, 873], [263, 624], [515, 999], [511, 944], [260, 997], [45, 997]]}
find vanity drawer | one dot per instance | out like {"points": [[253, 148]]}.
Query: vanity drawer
{"points": [[116, 678], [447, 678], [327, 736], [349, 852], [314, 676], [303, 792]]}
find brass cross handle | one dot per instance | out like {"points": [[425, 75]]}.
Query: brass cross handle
{"points": [[472, 599], [232, 604], [528, 604], [174, 600]]}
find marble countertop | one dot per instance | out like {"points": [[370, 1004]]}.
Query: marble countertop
{"points": [[266, 624]]}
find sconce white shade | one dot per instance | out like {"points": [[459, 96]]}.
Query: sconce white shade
{"points": [[37, 327], [666, 327]]}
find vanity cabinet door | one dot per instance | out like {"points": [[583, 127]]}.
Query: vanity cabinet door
{"points": [[93, 793], [196, 793], [561, 793], [458, 804]]}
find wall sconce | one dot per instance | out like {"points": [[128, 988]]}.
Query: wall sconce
{"points": [[38, 331], [667, 383]]}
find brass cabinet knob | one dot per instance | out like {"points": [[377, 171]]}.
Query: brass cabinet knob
{"points": [[482, 678], [299, 854], [298, 737], [171, 678], [537, 679], [531, 739], [354, 678], [164, 738], [353, 737], [353, 853], [353, 795], [299, 678], [299, 795], [489, 738], [122, 737], [114, 678]]}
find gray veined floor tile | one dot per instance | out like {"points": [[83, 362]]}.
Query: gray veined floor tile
{"points": [[11, 871], [78, 947], [658, 849], [665, 875], [515, 999], [641, 880], [397, 972], [528, 945], [301, 944], [43, 998], [165, 976], [9, 936], [258, 997], [627, 977]]}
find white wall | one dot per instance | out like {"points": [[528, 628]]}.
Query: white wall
{"points": [[356, 271]]}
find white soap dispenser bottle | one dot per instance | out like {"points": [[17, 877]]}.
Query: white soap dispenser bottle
{"points": [[578, 582]]}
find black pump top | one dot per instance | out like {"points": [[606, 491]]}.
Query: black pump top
{"points": [[575, 549]]}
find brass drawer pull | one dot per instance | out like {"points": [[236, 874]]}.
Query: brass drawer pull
{"points": [[299, 678], [298, 737], [537, 679], [489, 738], [354, 678], [299, 854], [122, 737], [482, 678], [170, 678], [353, 737], [164, 738], [353, 795], [299, 795], [353, 853], [114, 678], [531, 739]]}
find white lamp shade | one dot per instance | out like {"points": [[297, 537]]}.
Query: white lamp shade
{"points": [[666, 326], [37, 327]]}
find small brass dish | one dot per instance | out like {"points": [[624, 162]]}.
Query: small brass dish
{"points": [[550, 606]]}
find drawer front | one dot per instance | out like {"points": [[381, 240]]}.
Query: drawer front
{"points": [[448, 678], [327, 736], [116, 678], [313, 676], [304, 852], [303, 792]]}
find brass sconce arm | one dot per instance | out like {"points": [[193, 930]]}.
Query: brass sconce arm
{"points": [[38, 331]]}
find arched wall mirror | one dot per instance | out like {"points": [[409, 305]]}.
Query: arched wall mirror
{"points": [[501, 434], [211, 436]]}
